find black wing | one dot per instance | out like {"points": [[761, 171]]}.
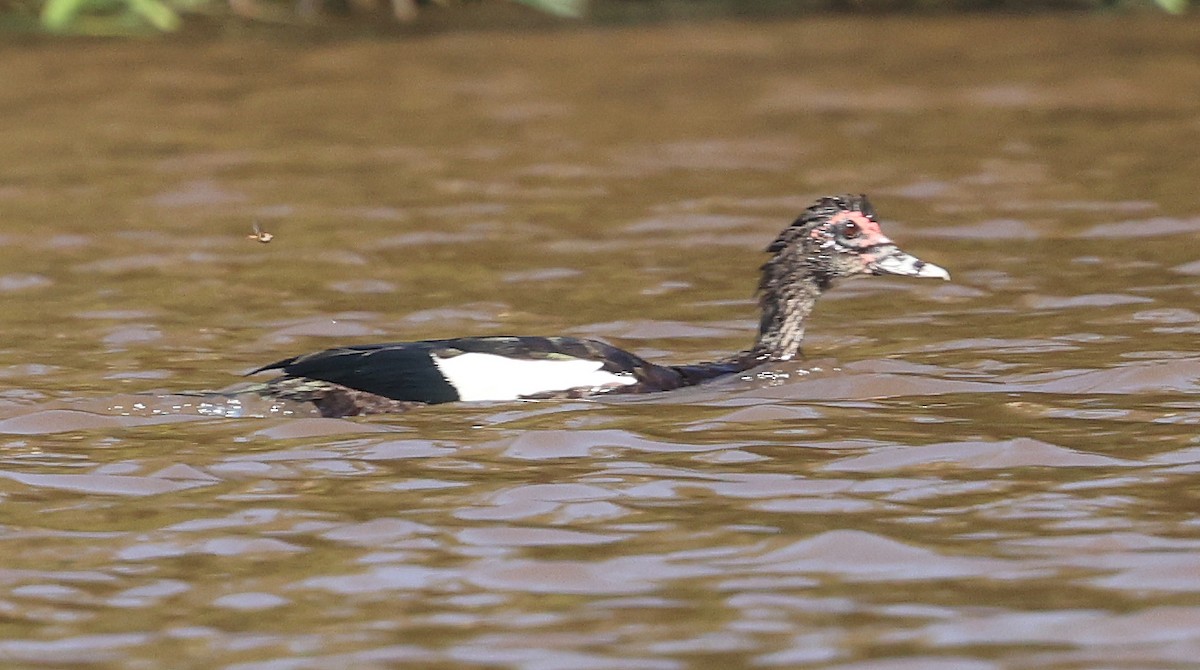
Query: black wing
{"points": [[400, 371]]}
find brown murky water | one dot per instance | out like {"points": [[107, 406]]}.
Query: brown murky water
{"points": [[998, 472]]}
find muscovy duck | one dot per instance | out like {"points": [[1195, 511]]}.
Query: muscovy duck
{"points": [[836, 237]]}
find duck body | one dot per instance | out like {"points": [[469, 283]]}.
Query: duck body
{"points": [[397, 375], [837, 237]]}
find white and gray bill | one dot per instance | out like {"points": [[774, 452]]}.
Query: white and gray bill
{"points": [[900, 263]]}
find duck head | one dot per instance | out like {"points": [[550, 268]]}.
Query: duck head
{"points": [[835, 238], [839, 236]]}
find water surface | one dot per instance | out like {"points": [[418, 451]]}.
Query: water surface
{"points": [[997, 472]]}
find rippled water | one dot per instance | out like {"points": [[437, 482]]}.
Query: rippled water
{"points": [[998, 472]]}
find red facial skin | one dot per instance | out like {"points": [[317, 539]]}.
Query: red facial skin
{"points": [[868, 233]]}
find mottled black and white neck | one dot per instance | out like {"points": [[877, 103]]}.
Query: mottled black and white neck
{"points": [[835, 238]]}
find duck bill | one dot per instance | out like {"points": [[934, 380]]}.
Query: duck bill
{"points": [[891, 261]]}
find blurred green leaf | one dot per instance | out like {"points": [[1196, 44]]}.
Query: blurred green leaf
{"points": [[1173, 6], [156, 14], [574, 9], [58, 14], [124, 24]]}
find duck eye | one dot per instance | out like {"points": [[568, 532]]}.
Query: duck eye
{"points": [[850, 230]]}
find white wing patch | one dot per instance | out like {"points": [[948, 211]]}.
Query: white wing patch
{"points": [[490, 377]]}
